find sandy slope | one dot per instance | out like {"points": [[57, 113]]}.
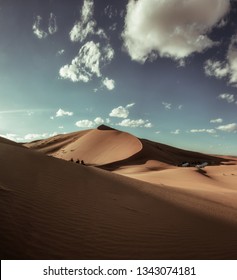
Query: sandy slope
{"points": [[95, 147], [54, 209]]}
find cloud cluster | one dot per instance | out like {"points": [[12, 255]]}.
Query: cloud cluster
{"points": [[91, 57], [232, 127], [89, 124], [135, 123], [28, 137], [219, 120], [109, 83], [61, 113], [203, 130], [226, 68], [39, 32], [171, 28], [228, 97], [121, 112]]}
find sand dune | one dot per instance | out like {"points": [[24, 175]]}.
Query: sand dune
{"points": [[111, 149], [95, 147], [54, 209]]}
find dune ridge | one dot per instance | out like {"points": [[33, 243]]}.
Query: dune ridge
{"points": [[54, 209]]}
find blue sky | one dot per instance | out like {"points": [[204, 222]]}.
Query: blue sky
{"points": [[159, 70]]}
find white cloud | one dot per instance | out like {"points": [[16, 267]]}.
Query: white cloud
{"points": [[167, 105], [119, 112], [130, 105], [171, 28], [60, 52], [135, 123], [216, 68], [109, 83], [85, 123], [176, 132], [203, 130], [53, 28], [61, 127], [228, 97], [232, 127], [34, 136], [37, 30], [157, 132], [148, 125], [86, 26], [84, 65], [61, 113], [227, 68], [91, 57], [80, 31], [98, 121], [10, 136], [219, 120], [232, 60], [87, 10], [180, 107]]}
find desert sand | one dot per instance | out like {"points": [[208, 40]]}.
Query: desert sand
{"points": [[130, 201]]}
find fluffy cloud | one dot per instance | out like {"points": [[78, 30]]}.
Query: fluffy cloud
{"points": [[119, 112], [227, 68], [171, 28], [29, 136], [37, 30], [61, 113], [232, 60], [98, 121], [228, 97], [135, 123], [216, 68], [219, 120], [85, 123], [232, 127], [203, 130], [87, 63], [84, 65], [87, 25], [80, 31], [33, 136], [109, 83], [52, 24], [88, 123]]}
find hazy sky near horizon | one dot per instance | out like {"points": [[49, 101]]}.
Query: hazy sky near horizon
{"points": [[164, 70]]}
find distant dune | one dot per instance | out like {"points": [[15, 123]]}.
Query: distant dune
{"points": [[110, 149], [56, 209]]}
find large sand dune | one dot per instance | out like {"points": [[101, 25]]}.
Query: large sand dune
{"points": [[55, 209]]}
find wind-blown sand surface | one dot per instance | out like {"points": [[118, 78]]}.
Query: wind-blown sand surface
{"points": [[55, 209]]}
